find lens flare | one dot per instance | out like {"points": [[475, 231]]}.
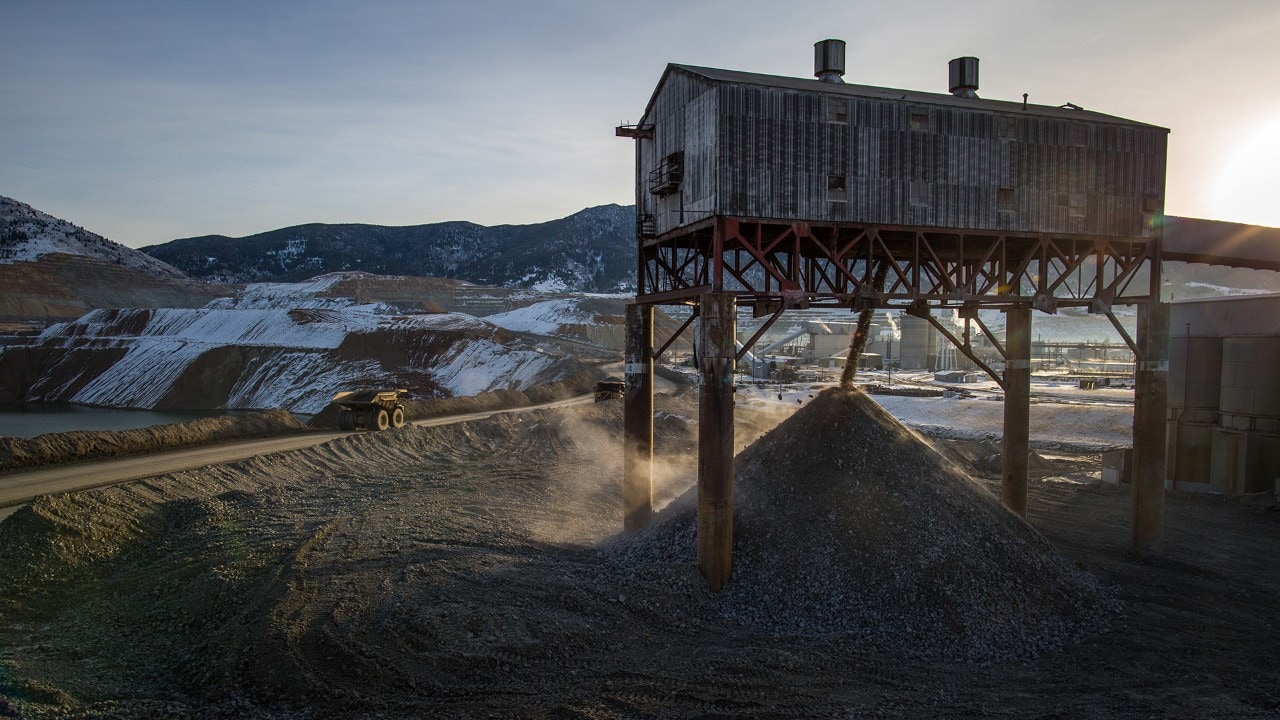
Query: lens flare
{"points": [[1248, 190]]}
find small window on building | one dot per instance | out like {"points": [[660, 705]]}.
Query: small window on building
{"points": [[1073, 202], [1007, 127], [838, 110], [1151, 203], [1004, 200], [919, 193], [837, 188], [667, 177], [920, 120]]}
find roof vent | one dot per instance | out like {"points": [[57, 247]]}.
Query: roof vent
{"points": [[828, 60], [964, 77]]}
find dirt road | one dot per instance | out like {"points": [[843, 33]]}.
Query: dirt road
{"points": [[21, 487]]}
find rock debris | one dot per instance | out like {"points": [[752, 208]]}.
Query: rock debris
{"points": [[848, 524]]}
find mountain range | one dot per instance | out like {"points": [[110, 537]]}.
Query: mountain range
{"points": [[589, 251]]}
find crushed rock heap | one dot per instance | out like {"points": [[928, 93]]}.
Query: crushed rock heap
{"points": [[849, 525]]}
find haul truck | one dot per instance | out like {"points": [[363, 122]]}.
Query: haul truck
{"points": [[370, 409]]}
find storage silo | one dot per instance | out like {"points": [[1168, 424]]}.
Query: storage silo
{"points": [[919, 344]]}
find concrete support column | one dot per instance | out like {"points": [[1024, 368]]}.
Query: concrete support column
{"points": [[637, 442], [1017, 409], [716, 335], [1150, 404]]}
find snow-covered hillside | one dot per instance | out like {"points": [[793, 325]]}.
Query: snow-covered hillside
{"points": [[596, 320], [27, 234], [275, 345]]}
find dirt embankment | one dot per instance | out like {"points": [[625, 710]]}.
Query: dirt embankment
{"points": [[54, 448], [59, 287]]}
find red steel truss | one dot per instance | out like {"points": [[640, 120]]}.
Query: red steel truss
{"points": [[827, 264]]}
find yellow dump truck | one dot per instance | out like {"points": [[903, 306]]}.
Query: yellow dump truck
{"points": [[370, 409], [610, 389]]}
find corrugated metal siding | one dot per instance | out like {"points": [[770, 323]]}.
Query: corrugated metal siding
{"points": [[685, 118], [776, 148]]}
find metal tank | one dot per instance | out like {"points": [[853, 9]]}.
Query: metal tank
{"points": [[919, 344]]}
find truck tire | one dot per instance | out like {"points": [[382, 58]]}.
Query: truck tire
{"points": [[345, 420], [381, 420], [397, 417]]}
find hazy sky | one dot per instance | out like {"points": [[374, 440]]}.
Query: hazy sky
{"points": [[148, 121]]}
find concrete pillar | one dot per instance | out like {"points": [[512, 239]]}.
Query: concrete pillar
{"points": [[1150, 403], [717, 333], [637, 442], [1017, 409]]}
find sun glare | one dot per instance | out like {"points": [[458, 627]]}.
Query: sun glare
{"points": [[1248, 190]]}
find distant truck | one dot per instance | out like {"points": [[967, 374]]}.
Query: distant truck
{"points": [[370, 409], [610, 389]]}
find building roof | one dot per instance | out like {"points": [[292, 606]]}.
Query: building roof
{"points": [[1220, 243], [879, 93]]}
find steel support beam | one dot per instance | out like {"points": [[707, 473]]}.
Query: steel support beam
{"points": [[1017, 409], [1150, 403], [637, 444], [717, 336]]}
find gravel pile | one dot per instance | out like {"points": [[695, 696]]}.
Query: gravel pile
{"points": [[848, 525]]}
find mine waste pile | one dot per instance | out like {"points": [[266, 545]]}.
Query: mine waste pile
{"points": [[848, 524], [477, 570]]}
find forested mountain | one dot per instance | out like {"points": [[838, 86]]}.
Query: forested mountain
{"points": [[590, 251]]}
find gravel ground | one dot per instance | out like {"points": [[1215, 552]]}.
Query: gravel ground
{"points": [[473, 571]]}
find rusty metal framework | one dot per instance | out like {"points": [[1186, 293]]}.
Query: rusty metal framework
{"points": [[804, 264]]}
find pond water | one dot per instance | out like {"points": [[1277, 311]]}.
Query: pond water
{"points": [[31, 419]]}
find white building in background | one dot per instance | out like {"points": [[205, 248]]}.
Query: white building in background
{"points": [[1224, 395]]}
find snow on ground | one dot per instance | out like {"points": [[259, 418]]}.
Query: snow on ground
{"points": [[481, 365], [51, 240], [32, 234], [210, 327], [1094, 426], [1200, 290], [309, 294], [142, 377], [544, 318], [1060, 413], [1067, 325], [1070, 325], [436, 321], [303, 382], [292, 355], [549, 284]]}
